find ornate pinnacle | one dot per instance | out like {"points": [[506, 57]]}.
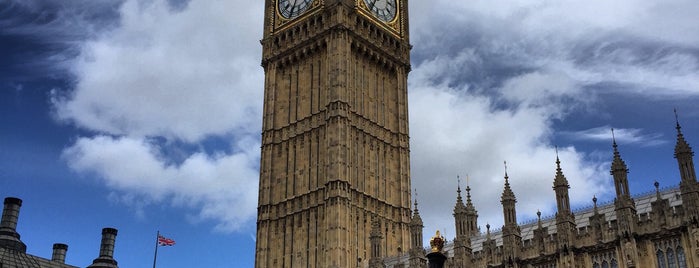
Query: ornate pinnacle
{"points": [[682, 147], [617, 162], [507, 193], [560, 179]]}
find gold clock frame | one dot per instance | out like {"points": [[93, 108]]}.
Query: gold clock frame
{"points": [[394, 26], [281, 23]]}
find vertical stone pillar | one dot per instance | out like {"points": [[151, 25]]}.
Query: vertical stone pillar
{"points": [[59, 253]]}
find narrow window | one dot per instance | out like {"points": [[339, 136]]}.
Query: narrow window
{"points": [[671, 261], [681, 260], [661, 259]]}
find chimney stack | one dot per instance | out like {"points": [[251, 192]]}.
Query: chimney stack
{"points": [[106, 258], [9, 238], [59, 253], [10, 213]]}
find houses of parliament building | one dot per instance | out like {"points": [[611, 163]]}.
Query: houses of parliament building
{"points": [[335, 165]]}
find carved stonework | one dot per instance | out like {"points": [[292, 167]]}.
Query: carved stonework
{"points": [[630, 252]]}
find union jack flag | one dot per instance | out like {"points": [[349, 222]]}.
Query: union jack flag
{"points": [[164, 241]]}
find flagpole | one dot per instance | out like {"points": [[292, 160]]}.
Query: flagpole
{"points": [[155, 256]]}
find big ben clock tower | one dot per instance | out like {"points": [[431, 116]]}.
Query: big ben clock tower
{"points": [[335, 154]]}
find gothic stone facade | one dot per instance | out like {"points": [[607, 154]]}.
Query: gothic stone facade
{"points": [[334, 174], [335, 178], [656, 230]]}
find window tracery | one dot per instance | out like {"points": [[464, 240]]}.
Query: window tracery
{"points": [[605, 259], [670, 254]]}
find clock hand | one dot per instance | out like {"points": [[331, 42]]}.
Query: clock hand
{"points": [[293, 6]]}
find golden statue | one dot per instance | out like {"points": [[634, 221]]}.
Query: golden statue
{"points": [[437, 242]]}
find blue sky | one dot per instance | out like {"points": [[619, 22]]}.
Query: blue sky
{"points": [[145, 115]]}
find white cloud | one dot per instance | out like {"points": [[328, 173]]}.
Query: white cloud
{"points": [[178, 75], [642, 45], [622, 135], [171, 73], [209, 184], [453, 132]]}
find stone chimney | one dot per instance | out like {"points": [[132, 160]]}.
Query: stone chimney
{"points": [[106, 258], [9, 238], [59, 253]]}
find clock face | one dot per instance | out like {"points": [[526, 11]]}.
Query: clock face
{"points": [[293, 8], [385, 10]]}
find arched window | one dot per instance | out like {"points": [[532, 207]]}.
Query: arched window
{"points": [[605, 264], [595, 265], [614, 264], [681, 260], [671, 261], [661, 259]]}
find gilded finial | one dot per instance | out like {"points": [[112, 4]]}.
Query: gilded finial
{"points": [[437, 242]]}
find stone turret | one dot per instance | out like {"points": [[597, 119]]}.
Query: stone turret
{"points": [[417, 253], [9, 238], [462, 242], [624, 205], [471, 214], [106, 257], [688, 178], [511, 233], [565, 220], [460, 216]]}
